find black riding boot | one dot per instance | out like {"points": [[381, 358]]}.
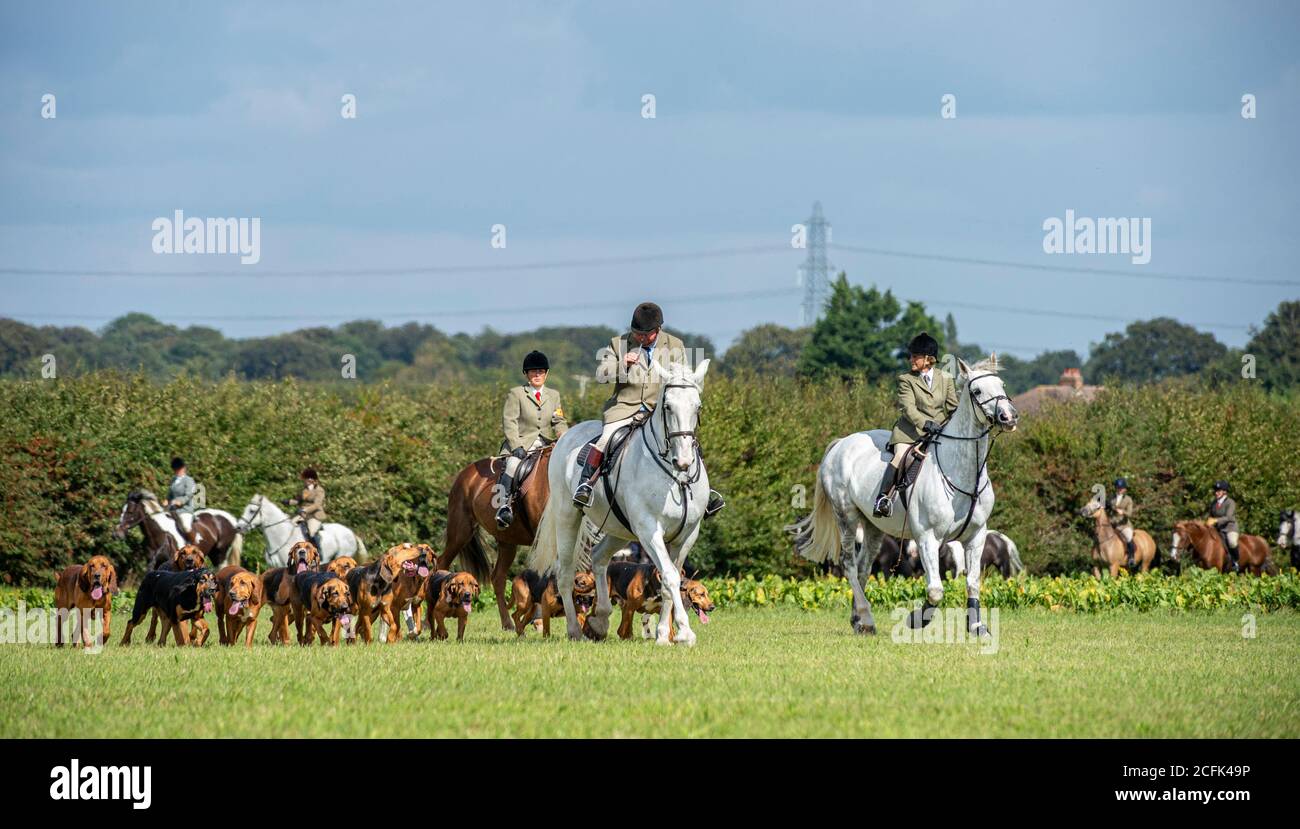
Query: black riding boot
{"points": [[715, 503], [590, 467], [505, 486], [1130, 547], [885, 501], [1232, 554]]}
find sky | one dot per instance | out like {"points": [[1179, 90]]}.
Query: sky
{"points": [[531, 116]]}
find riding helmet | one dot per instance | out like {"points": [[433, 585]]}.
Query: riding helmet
{"points": [[309, 474], [1223, 485], [647, 317], [536, 359], [923, 344], [177, 463], [1120, 483]]}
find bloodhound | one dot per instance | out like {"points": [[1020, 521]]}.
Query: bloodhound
{"points": [[85, 588], [531, 589], [372, 587], [636, 589], [325, 599], [341, 566], [178, 598], [240, 598], [450, 594], [408, 595], [188, 557], [279, 591]]}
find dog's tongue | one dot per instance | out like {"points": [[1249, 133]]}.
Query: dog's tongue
{"points": [[346, 619], [704, 617], [408, 566], [467, 605], [207, 605], [97, 593], [424, 571], [302, 567], [234, 607]]}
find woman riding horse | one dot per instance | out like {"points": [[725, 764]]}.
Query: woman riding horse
{"points": [[1223, 517], [180, 497], [532, 419], [311, 507], [1121, 509]]}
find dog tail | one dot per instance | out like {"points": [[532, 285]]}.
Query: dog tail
{"points": [[546, 542], [475, 558], [817, 535], [236, 550]]}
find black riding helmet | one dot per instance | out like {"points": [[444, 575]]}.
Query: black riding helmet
{"points": [[309, 474], [647, 317], [178, 463], [1223, 485], [924, 345], [536, 360]]}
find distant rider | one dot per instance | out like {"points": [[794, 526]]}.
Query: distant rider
{"points": [[532, 418]]}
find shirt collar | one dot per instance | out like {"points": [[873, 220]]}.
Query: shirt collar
{"points": [[532, 392]]}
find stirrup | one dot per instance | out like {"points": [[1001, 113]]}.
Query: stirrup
{"points": [[505, 516], [583, 494], [715, 504], [884, 506]]}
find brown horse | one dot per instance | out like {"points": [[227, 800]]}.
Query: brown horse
{"points": [[1109, 549], [1207, 549], [470, 507]]}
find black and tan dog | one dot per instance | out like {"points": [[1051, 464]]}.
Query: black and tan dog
{"points": [[188, 557], [239, 601], [450, 594], [325, 598], [408, 595], [178, 598], [80, 591], [636, 588], [531, 590], [279, 591], [372, 587]]}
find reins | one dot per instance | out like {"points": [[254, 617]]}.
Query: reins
{"points": [[980, 465]]}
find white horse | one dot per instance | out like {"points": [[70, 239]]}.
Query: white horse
{"points": [[950, 500], [661, 487], [281, 532], [1288, 534]]}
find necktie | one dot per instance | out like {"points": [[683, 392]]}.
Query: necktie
{"points": [[928, 383], [539, 397]]}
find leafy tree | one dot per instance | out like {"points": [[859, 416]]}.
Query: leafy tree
{"points": [[1151, 351], [863, 333], [766, 349], [1276, 348]]}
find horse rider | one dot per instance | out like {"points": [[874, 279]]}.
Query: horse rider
{"points": [[311, 507], [1121, 509], [180, 497], [925, 399], [626, 363], [1223, 517], [532, 418]]}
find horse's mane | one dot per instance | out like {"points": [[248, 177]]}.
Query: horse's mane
{"points": [[988, 365]]}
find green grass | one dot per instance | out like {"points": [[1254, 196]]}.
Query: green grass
{"points": [[777, 672]]}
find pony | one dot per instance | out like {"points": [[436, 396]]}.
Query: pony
{"points": [[951, 498], [1207, 549], [470, 507], [281, 532], [1109, 549], [654, 494], [161, 535]]}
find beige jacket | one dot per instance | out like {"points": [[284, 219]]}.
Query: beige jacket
{"points": [[524, 420], [312, 502], [637, 386], [916, 403]]}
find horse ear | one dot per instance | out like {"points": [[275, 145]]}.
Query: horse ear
{"points": [[701, 370], [965, 369], [658, 372]]}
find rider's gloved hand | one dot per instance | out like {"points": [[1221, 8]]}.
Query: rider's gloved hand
{"points": [[930, 427], [520, 453]]}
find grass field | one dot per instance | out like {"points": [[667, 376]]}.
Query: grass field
{"points": [[775, 672]]}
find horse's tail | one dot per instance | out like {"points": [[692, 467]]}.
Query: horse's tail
{"points": [[1013, 553], [363, 556], [236, 550], [817, 535], [475, 557], [546, 543]]}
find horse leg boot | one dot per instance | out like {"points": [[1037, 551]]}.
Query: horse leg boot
{"points": [[586, 481]]}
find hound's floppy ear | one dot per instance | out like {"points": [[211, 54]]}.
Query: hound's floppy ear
{"points": [[83, 578], [112, 580]]}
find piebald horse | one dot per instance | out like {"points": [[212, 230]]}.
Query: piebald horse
{"points": [[1109, 549], [951, 498], [213, 531], [470, 506], [1207, 551], [1288, 534], [661, 488], [281, 531]]}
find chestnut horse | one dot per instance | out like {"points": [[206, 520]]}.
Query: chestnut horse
{"points": [[1207, 549], [469, 507], [1109, 548]]}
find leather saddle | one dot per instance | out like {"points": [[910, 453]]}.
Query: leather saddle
{"points": [[914, 456]]}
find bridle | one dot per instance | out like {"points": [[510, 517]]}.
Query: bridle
{"points": [[977, 409], [249, 525], [662, 457]]}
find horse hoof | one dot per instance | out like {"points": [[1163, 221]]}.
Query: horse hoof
{"points": [[688, 642], [920, 617], [864, 629]]}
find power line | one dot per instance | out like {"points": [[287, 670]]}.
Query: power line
{"points": [[1134, 274]]}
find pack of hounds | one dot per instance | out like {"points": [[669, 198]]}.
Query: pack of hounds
{"points": [[343, 600]]}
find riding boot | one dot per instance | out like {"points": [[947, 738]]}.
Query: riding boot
{"points": [[505, 514], [885, 501], [590, 469], [1232, 553], [715, 503], [1130, 547]]}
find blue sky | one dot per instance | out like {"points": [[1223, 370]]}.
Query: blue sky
{"points": [[529, 115]]}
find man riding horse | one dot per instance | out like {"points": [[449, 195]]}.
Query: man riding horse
{"points": [[180, 497], [1223, 517], [311, 507], [1121, 509], [532, 419], [626, 363], [925, 399]]}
